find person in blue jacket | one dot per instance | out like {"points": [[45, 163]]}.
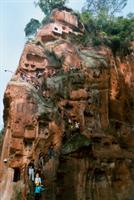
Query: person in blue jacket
{"points": [[38, 189]]}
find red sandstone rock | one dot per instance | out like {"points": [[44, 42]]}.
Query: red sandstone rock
{"points": [[79, 102]]}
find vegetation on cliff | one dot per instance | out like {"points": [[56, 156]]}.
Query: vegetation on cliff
{"points": [[47, 6], [109, 7], [69, 108], [115, 32]]}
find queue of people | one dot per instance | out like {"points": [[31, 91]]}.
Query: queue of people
{"points": [[36, 179], [34, 175], [73, 124]]}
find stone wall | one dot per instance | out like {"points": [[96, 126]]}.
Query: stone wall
{"points": [[79, 101]]}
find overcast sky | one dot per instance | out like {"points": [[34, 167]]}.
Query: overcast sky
{"points": [[14, 15]]}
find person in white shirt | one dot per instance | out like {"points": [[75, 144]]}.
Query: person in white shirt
{"points": [[31, 173]]}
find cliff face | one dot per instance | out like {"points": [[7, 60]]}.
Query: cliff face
{"points": [[80, 100]]}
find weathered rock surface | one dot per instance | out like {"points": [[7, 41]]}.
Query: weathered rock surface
{"points": [[81, 101]]}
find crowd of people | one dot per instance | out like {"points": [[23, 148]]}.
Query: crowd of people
{"points": [[30, 79], [36, 179], [33, 78]]}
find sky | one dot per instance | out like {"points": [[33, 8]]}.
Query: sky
{"points": [[14, 15]]}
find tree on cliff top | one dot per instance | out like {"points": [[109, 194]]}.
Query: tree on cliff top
{"points": [[48, 5], [32, 27], [109, 7]]}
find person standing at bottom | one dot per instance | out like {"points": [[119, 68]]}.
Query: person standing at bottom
{"points": [[37, 187], [37, 192]]}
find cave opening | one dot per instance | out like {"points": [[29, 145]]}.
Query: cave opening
{"points": [[68, 106], [16, 174], [99, 175], [28, 143], [117, 125]]}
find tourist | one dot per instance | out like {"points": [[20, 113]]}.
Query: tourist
{"points": [[50, 151], [31, 173], [37, 180], [37, 192], [38, 187]]}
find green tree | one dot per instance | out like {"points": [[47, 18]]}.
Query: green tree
{"points": [[109, 7], [32, 27], [115, 32], [121, 32], [48, 5]]}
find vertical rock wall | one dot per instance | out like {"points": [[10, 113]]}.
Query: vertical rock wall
{"points": [[78, 100]]}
